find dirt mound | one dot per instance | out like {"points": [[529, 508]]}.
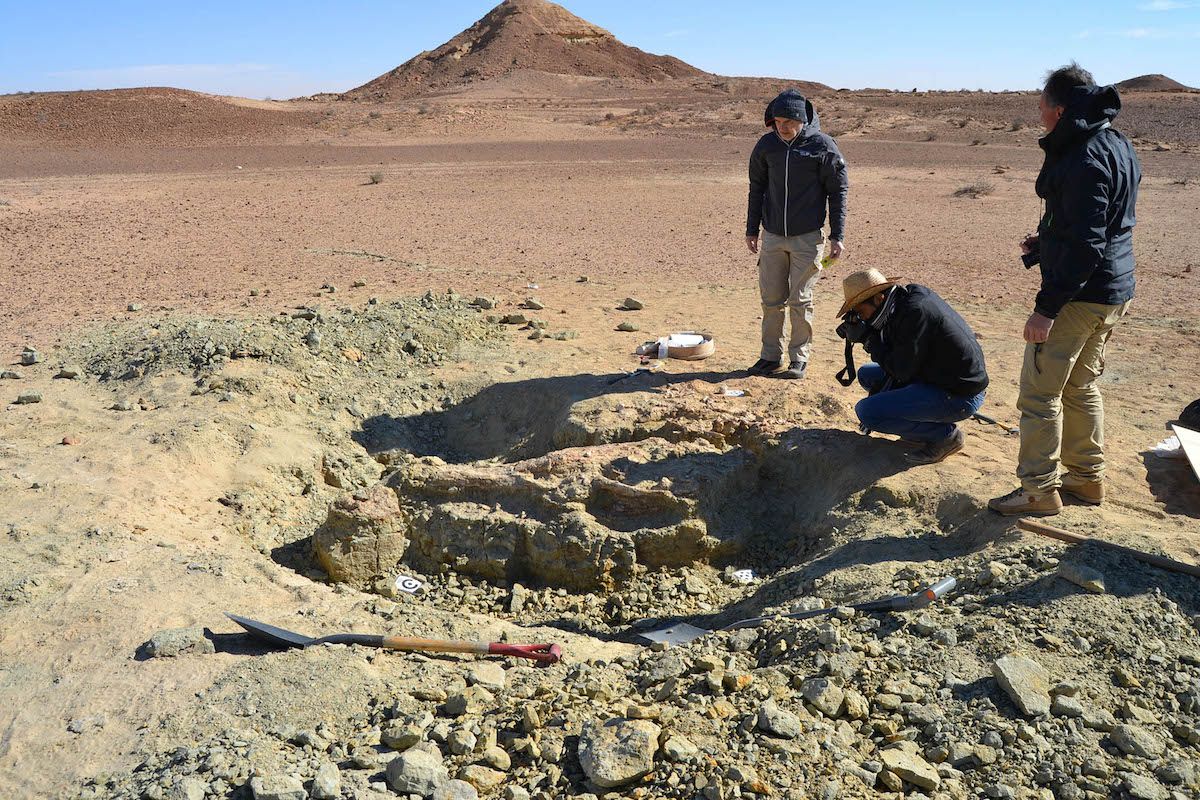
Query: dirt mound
{"points": [[520, 35], [143, 116], [1153, 83]]}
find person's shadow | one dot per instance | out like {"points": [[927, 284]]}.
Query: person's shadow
{"points": [[512, 420], [1173, 483]]}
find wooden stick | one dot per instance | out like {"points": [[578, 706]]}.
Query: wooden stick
{"points": [[1042, 529]]}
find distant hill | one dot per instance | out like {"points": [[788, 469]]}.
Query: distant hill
{"points": [[522, 35], [1153, 83]]}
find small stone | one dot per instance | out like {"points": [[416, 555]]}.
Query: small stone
{"points": [[418, 770], [254, 292], [679, 748], [30, 356], [455, 790], [1082, 576], [69, 372], [175, 642], [628, 327], [403, 733], [777, 721], [487, 674], [484, 302], [517, 598], [472, 700], [515, 793], [134, 307], [29, 398], [632, 304], [358, 284], [1065, 706], [484, 779], [514, 319], [461, 742], [890, 781], [10, 375], [1134, 741], [992, 572], [534, 304], [855, 705], [824, 695], [327, 783], [189, 788], [912, 768], [277, 787], [1180, 772], [1143, 788], [1125, 678], [497, 758], [1026, 682], [617, 751]]}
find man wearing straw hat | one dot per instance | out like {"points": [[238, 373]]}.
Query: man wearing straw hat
{"points": [[928, 371]]}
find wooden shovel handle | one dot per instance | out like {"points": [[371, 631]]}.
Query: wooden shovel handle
{"points": [[1042, 529], [543, 654], [411, 643]]}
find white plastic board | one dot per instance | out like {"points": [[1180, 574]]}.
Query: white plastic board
{"points": [[1190, 440]]}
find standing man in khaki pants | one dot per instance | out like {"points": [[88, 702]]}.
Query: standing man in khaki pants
{"points": [[1089, 182], [795, 173]]}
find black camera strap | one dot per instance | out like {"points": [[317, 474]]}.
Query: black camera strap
{"points": [[848, 373]]}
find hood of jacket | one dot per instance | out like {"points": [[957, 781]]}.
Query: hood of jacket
{"points": [[791, 104], [1089, 109]]}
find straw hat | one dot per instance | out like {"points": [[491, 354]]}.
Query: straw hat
{"points": [[858, 286]]}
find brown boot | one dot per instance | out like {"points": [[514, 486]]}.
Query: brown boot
{"points": [[933, 452], [1021, 503], [1085, 491]]}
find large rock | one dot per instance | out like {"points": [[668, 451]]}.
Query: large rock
{"points": [[178, 642], [617, 751], [911, 767], [1025, 681], [418, 770], [777, 721], [456, 790], [1143, 788], [327, 783], [1134, 741], [277, 787], [825, 695], [363, 537]]}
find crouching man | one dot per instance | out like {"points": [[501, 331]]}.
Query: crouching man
{"points": [[928, 371]]}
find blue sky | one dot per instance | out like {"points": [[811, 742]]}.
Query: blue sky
{"points": [[285, 49]]}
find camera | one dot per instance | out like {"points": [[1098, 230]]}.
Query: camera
{"points": [[1034, 255], [854, 328]]}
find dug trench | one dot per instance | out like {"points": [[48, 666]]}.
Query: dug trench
{"points": [[299, 465]]}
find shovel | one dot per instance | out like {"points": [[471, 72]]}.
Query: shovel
{"points": [[543, 654], [683, 632]]}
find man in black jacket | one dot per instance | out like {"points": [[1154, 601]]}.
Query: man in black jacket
{"points": [[795, 173], [1089, 182], [928, 372]]}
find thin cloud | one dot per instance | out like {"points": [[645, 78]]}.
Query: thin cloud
{"points": [[1165, 5], [144, 74]]}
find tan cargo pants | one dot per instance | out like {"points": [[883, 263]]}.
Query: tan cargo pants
{"points": [[788, 267], [1062, 413]]}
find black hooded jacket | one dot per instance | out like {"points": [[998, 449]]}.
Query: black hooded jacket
{"points": [[791, 184], [924, 340], [1089, 181]]}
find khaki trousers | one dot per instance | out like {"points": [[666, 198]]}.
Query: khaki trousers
{"points": [[788, 267], [1062, 413]]}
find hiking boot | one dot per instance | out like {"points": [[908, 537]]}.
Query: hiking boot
{"points": [[795, 371], [1019, 502], [933, 452], [764, 367], [1085, 491]]}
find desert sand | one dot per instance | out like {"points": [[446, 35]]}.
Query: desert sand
{"points": [[269, 307]]}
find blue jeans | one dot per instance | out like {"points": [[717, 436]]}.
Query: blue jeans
{"points": [[919, 412]]}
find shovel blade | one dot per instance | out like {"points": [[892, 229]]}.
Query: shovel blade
{"points": [[270, 633], [679, 633]]}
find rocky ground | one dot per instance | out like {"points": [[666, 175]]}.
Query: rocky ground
{"points": [[200, 426]]}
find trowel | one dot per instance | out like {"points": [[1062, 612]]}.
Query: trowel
{"points": [[684, 632]]}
